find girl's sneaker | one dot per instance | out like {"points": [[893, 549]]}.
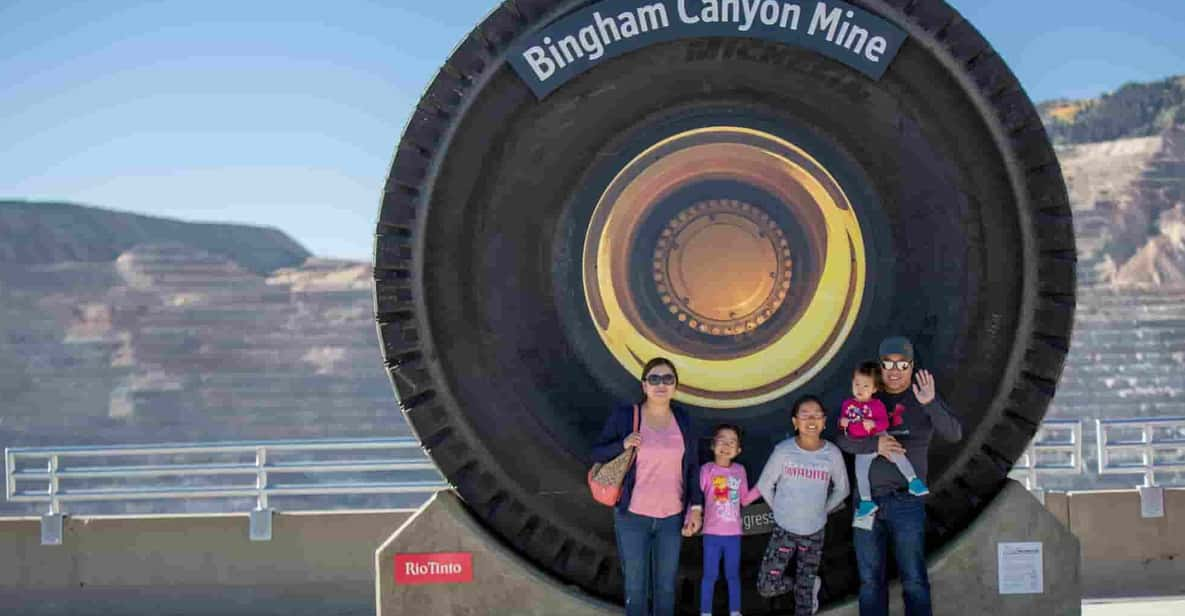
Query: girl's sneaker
{"points": [[866, 508], [917, 487]]}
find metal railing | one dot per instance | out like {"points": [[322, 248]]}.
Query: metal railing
{"points": [[1055, 450], [261, 463], [1142, 447], [169, 471]]}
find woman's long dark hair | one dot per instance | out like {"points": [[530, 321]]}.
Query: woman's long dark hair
{"points": [[654, 363]]}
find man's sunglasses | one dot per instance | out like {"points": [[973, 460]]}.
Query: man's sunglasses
{"points": [[660, 379], [900, 364]]}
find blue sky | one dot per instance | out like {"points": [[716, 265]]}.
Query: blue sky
{"points": [[286, 113]]}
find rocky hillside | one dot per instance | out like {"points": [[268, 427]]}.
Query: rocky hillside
{"points": [[177, 340], [171, 343], [1127, 188], [37, 233], [1128, 196]]}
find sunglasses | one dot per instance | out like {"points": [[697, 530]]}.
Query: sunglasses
{"points": [[660, 379], [900, 364]]}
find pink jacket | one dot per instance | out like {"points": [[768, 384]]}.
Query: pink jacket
{"points": [[856, 412]]}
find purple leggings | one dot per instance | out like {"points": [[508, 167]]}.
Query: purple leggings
{"points": [[715, 548]]}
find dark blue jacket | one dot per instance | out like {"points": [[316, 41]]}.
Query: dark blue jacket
{"points": [[620, 424]]}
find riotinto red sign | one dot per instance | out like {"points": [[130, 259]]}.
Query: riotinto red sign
{"points": [[434, 568]]}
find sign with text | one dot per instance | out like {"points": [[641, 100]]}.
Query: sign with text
{"points": [[1021, 567], [549, 57], [434, 568]]}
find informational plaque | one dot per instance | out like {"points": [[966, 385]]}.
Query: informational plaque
{"points": [[1020, 566], [1151, 501]]}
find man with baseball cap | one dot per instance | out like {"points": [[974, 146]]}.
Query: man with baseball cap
{"points": [[916, 414]]}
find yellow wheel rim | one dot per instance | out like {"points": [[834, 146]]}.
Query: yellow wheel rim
{"points": [[724, 268]]}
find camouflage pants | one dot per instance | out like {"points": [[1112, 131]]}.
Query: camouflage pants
{"points": [[805, 552]]}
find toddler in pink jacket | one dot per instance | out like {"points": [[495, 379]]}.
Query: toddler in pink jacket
{"points": [[863, 416]]}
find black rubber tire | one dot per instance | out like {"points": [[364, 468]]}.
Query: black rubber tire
{"points": [[475, 304]]}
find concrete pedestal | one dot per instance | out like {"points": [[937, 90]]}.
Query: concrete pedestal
{"points": [[963, 576], [502, 581]]}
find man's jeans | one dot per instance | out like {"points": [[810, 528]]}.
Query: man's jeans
{"points": [[649, 549], [901, 520]]}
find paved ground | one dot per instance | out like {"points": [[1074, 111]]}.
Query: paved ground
{"points": [[1164, 606]]}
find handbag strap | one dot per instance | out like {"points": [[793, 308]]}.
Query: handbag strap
{"points": [[637, 421]]}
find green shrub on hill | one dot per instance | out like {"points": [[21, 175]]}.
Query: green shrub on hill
{"points": [[1134, 110]]}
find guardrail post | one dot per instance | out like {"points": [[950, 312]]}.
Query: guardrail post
{"points": [[9, 473], [1080, 461], [1028, 464], [261, 517], [52, 521], [1151, 496], [1100, 437], [1149, 455]]}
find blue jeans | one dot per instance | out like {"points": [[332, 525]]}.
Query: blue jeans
{"points": [[728, 549], [649, 551], [902, 520]]}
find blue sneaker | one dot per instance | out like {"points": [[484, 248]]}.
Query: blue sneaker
{"points": [[865, 523], [865, 509], [917, 487]]}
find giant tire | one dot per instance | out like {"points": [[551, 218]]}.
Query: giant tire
{"points": [[479, 307]]}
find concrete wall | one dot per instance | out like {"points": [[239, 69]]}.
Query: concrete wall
{"points": [[316, 563], [322, 563], [1123, 554]]}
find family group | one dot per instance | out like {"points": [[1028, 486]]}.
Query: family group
{"points": [[666, 494]]}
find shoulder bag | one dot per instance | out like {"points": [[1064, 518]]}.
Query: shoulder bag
{"points": [[605, 479]]}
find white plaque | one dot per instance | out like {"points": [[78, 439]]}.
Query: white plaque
{"points": [[1151, 501], [1020, 567]]}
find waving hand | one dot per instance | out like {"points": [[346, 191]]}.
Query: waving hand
{"points": [[924, 388]]}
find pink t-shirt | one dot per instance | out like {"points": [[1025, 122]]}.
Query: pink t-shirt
{"points": [[658, 485], [726, 490]]}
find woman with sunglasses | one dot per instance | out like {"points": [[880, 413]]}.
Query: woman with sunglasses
{"points": [[659, 502]]}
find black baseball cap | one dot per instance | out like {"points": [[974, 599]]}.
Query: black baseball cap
{"points": [[896, 345]]}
